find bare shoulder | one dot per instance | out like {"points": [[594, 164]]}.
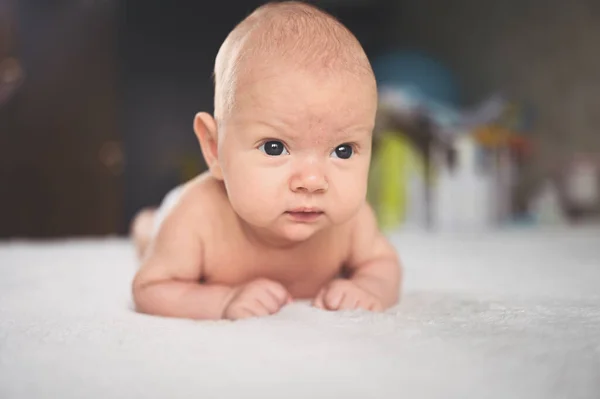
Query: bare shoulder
{"points": [[201, 199], [176, 251]]}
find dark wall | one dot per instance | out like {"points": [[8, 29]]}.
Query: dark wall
{"points": [[59, 141]]}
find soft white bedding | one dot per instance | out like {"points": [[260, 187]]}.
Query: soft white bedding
{"points": [[496, 315]]}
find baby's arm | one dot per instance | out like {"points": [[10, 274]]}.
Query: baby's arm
{"points": [[373, 262], [168, 282], [375, 271]]}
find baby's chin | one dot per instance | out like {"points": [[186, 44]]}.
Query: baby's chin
{"points": [[287, 233], [298, 232]]}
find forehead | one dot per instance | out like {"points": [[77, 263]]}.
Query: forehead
{"points": [[306, 101]]}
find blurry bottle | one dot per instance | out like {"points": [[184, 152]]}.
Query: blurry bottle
{"points": [[581, 183], [546, 206], [463, 195]]}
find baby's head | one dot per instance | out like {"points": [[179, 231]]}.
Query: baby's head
{"points": [[295, 103]]}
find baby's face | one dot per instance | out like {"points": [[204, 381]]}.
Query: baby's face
{"points": [[295, 151]]}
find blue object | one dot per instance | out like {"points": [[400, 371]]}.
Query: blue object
{"points": [[418, 74]]}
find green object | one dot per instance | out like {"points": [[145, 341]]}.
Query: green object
{"points": [[393, 162]]}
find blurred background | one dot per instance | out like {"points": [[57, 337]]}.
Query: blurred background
{"points": [[489, 114]]}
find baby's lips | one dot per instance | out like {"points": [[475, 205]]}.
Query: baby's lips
{"points": [[305, 209]]}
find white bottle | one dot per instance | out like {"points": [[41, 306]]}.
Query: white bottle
{"points": [[546, 207], [464, 195]]}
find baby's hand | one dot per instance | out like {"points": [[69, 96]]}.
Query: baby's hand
{"points": [[257, 298], [342, 294]]}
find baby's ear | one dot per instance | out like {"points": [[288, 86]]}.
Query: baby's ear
{"points": [[205, 128]]}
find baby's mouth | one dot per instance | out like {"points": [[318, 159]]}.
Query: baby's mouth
{"points": [[304, 215]]}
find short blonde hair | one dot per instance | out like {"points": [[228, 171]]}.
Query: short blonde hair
{"points": [[291, 31]]}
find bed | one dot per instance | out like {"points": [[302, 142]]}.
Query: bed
{"points": [[508, 314]]}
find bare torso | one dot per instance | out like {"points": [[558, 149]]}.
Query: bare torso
{"points": [[231, 257]]}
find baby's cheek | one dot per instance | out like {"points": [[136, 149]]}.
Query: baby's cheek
{"points": [[252, 191], [261, 183], [352, 193]]}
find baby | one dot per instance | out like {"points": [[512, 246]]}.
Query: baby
{"points": [[281, 214]]}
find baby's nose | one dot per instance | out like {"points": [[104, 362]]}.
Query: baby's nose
{"points": [[309, 178]]}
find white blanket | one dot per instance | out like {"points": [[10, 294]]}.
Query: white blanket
{"points": [[497, 315]]}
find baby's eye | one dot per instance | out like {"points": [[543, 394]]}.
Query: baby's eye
{"points": [[273, 148], [343, 151]]}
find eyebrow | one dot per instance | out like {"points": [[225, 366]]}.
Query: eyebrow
{"points": [[340, 134], [279, 128]]}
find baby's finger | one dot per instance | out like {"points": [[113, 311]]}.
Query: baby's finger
{"points": [[279, 293], [333, 298], [257, 308], [376, 307], [363, 304], [349, 302], [318, 301], [241, 313], [268, 301]]}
